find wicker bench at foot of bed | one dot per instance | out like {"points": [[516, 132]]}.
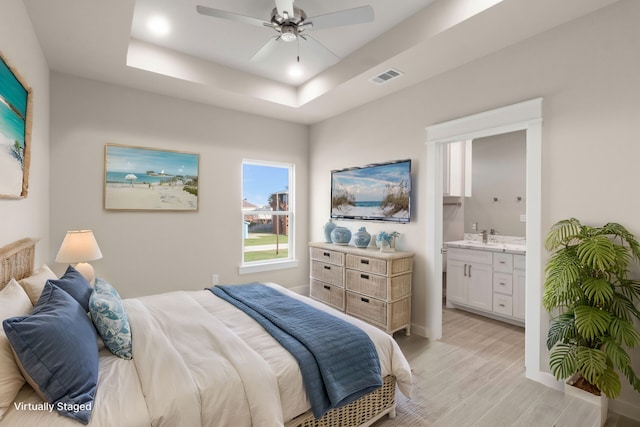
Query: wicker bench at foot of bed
{"points": [[362, 412]]}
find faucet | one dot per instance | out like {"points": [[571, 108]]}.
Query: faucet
{"points": [[485, 238]]}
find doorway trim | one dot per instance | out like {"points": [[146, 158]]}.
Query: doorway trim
{"points": [[526, 116]]}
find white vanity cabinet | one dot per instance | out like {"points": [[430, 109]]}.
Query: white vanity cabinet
{"points": [[519, 290], [469, 277], [503, 284], [487, 282]]}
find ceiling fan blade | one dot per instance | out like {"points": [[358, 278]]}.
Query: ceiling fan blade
{"points": [[216, 13], [358, 15], [265, 50], [316, 48], [285, 6]]}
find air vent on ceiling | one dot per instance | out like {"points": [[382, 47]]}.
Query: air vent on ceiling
{"points": [[387, 76]]}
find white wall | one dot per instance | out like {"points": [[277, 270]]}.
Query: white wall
{"points": [[151, 252], [28, 217], [586, 71]]}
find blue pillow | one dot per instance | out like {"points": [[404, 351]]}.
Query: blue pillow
{"points": [[56, 348], [110, 319], [75, 285]]}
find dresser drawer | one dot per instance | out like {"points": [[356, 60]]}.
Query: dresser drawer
{"points": [[367, 284], [503, 262], [370, 309], [326, 255], [329, 273], [503, 304], [367, 264], [330, 295], [503, 283]]}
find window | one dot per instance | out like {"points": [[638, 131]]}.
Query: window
{"points": [[267, 216]]}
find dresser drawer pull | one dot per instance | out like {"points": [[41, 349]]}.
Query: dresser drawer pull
{"points": [[501, 305], [327, 287], [326, 267], [364, 261], [326, 254], [364, 300], [503, 284], [502, 262], [364, 276]]}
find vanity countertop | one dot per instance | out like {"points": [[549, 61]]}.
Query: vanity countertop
{"points": [[510, 246]]}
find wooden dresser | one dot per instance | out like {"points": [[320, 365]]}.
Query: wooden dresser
{"points": [[368, 284]]}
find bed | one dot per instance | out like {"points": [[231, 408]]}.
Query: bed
{"points": [[198, 360]]}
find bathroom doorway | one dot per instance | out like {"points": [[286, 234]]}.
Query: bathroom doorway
{"points": [[488, 197], [526, 116]]}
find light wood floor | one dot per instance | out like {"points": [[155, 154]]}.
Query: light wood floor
{"points": [[474, 376]]}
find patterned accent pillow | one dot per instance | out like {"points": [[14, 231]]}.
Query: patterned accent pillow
{"points": [[110, 319]]}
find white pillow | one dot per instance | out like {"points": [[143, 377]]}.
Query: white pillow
{"points": [[34, 284], [13, 302]]}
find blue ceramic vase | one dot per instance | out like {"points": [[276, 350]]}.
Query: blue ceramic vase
{"points": [[341, 236], [328, 228], [361, 238]]}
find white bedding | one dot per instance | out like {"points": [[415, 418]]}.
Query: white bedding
{"points": [[198, 361]]}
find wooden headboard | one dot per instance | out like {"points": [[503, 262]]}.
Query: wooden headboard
{"points": [[16, 260]]}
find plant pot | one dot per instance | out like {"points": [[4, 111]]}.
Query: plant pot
{"points": [[602, 402], [386, 245]]}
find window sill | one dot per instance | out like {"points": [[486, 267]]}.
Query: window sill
{"points": [[270, 266]]}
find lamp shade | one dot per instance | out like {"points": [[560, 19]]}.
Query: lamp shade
{"points": [[78, 246]]}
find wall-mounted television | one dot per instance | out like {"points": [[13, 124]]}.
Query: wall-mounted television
{"points": [[378, 192]]}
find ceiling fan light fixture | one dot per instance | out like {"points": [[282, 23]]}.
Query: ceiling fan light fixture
{"points": [[289, 34]]}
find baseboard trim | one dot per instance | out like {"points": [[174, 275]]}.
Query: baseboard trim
{"points": [[420, 330], [626, 409]]}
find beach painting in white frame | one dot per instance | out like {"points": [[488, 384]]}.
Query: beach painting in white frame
{"points": [[15, 133], [150, 179]]}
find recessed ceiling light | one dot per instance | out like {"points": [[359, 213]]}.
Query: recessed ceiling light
{"points": [[158, 25]]}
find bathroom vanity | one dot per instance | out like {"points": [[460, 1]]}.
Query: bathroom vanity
{"points": [[488, 278]]}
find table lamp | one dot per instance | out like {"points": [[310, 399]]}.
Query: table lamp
{"points": [[80, 246]]}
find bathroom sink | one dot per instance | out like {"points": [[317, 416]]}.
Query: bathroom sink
{"points": [[478, 243]]}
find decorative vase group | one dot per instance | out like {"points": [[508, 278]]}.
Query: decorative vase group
{"points": [[342, 235]]}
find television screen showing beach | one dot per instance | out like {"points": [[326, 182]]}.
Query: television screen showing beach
{"points": [[379, 191], [13, 113], [149, 179]]}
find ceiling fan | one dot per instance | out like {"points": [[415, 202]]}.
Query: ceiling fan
{"points": [[291, 24]]}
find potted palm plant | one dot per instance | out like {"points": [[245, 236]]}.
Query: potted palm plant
{"points": [[592, 301]]}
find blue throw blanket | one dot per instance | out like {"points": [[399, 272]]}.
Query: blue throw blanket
{"points": [[338, 361]]}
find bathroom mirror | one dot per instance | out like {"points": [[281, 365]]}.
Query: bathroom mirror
{"points": [[498, 193]]}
